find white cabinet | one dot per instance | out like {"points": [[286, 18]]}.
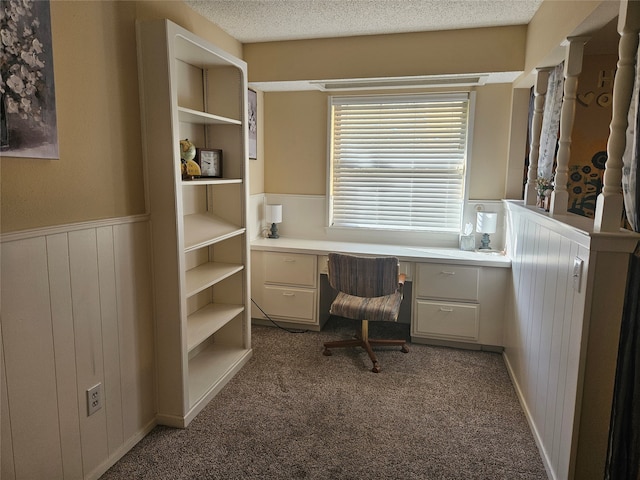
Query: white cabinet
{"points": [[284, 285], [191, 89], [458, 303]]}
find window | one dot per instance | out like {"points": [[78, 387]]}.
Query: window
{"points": [[398, 162]]}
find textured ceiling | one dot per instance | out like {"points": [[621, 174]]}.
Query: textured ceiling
{"points": [[252, 21]]}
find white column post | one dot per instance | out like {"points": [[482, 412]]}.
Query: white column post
{"points": [[539, 92], [572, 69], [609, 205]]}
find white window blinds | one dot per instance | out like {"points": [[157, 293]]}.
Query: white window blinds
{"points": [[398, 162]]}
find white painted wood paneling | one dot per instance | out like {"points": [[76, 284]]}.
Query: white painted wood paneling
{"points": [[543, 336], [65, 353], [76, 311], [110, 336], [561, 334], [29, 360], [85, 299], [137, 354], [7, 469]]}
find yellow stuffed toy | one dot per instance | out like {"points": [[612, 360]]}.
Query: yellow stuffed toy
{"points": [[189, 168]]}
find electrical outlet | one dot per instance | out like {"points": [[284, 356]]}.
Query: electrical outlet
{"points": [[94, 399]]}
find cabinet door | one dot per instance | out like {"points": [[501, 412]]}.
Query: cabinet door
{"points": [[452, 321]]}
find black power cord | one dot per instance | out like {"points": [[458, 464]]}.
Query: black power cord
{"points": [[272, 321]]}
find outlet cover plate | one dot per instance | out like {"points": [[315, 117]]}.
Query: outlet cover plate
{"points": [[94, 399]]}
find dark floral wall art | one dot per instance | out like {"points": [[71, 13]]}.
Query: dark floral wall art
{"points": [[28, 126], [585, 184]]}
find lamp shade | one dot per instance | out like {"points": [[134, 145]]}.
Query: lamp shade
{"points": [[486, 222], [274, 213]]}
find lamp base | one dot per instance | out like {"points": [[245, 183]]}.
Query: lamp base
{"points": [[484, 243], [274, 231]]}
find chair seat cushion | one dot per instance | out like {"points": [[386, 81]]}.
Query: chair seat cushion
{"points": [[375, 309]]}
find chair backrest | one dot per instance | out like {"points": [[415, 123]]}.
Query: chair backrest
{"points": [[363, 276]]}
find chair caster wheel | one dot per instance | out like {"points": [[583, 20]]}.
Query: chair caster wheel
{"points": [[326, 352], [404, 349]]}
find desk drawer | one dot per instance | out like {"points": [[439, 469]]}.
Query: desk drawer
{"points": [[323, 261], [290, 269], [456, 282], [294, 303], [446, 320]]}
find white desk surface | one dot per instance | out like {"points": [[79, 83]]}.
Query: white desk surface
{"points": [[404, 253]]}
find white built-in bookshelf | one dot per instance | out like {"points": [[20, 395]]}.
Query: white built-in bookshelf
{"points": [[191, 89]]}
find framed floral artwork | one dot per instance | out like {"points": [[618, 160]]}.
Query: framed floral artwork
{"points": [[28, 125]]}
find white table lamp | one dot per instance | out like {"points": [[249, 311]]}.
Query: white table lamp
{"points": [[274, 216], [486, 223]]}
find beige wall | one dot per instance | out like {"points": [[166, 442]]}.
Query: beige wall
{"points": [[490, 147], [428, 53], [295, 148], [296, 142], [99, 173], [295, 123], [518, 147], [556, 20], [590, 133], [593, 108], [553, 21]]}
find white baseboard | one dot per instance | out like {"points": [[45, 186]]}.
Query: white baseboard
{"points": [[536, 435], [121, 452]]}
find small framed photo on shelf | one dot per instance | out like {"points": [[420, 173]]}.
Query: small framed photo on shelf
{"points": [[210, 162]]}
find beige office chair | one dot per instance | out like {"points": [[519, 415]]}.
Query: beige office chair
{"points": [[369, 289]]}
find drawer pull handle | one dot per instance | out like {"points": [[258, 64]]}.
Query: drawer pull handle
{"points": [[290, 260], [288, 294], [445, 272], [448, 310]]}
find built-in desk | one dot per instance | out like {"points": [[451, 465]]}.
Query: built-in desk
{"points": [[456, 297]]}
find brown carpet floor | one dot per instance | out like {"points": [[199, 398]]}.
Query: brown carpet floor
{"points": [[292, 413]]}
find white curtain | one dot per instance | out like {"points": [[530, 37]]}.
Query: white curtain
{"points": [[630, 159], [551, 122]]}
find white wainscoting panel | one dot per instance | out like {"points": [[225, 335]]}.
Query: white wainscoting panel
{"points": [[76, 311], [543, 339], [29, 361], [65, 357], [305, 216], [561, 334], [135, 329]]}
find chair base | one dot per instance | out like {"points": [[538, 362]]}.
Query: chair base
{"points": [[363, 341]]}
